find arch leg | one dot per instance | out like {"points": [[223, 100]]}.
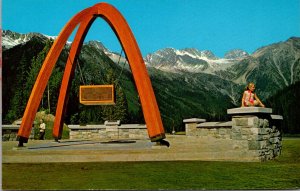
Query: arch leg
{"points": [[44, 75], [68, 77], [139, 71]]}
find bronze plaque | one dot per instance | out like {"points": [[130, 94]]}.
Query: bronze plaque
{"points": [[97, 95]]}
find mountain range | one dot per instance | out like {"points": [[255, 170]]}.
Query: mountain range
{"points": [[187, 83]]}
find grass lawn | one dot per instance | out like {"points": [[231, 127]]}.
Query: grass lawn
{"points": [[281, 173]]}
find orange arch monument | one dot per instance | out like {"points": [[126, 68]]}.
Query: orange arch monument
{"points": [[84, 20]]}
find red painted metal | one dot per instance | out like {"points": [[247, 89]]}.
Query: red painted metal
{"points": [[68, 76], [84, 19]]}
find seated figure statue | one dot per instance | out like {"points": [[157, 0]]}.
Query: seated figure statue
{"points": [[250, 98]]}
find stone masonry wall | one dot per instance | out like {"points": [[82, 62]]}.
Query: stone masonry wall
{"points": [[264, 140], [10, 132], [254, 135], [125, 131]]}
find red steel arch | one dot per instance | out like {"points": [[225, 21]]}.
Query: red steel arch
{"points": [[84, 19]]}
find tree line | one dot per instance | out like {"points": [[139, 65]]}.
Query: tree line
{"points": [[26, 70], [22, 64]]}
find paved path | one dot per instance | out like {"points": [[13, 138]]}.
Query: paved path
{"points": [[181, 148]]}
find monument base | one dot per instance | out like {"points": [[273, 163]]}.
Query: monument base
{"points": [[253, 133]]}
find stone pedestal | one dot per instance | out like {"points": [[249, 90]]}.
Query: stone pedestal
{"points": [[258, 127], [253, 134], [249, 110], [191, 125]]}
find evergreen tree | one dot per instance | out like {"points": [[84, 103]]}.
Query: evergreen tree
{"points": [[54, 88], [18, 103], [36, 65], [285, 102], [119, 111]]}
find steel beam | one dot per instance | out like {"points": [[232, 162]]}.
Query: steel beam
{"points": [[84, 19]]}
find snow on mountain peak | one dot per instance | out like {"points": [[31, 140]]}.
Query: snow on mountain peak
{"points": [[168, 59], [11, 39], [189, 59]]}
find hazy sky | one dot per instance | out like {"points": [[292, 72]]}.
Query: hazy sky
{"points": [[216, 25]]}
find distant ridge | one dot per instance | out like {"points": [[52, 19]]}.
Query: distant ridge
{"points": [[187, 83]]}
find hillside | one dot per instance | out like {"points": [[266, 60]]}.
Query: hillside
{"points": [[187, 83]]}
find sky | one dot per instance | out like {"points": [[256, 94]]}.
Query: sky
{"points": [[215, 25]]}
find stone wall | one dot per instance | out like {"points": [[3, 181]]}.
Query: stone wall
{"points": [[10, 132], [252, 132], [108, 131], [263, 139]]}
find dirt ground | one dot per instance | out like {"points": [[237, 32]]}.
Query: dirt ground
{"points": [[181, 148]]}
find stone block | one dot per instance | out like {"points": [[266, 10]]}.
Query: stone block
{"points": [[263, 158], [277, 151], [202, 132], [223, 131], [240, 121], [5, 137], [257, 145], [236, 136], [246, 131], [236, 129], [194, 120], [249, 110], [227, 136], [274, 128], [227, 124], [264, 131], [266, 123], [212, 131], [112, 123], [95, 136], [111, 128], [240, 145], [261, 123], [253, 122], [268, 157], [276, 117], [262, 152], [255, 138], [124, 134], [275, 134], [111, 134], [275, 140], [253, 130], [190, 129]]}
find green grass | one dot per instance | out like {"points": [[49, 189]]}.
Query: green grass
{"points": [[281, 173]]}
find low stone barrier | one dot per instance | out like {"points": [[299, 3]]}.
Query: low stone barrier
{"points": [[252, 132], [109, 131], [220, 130], [10, 132], [191, 125]]}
